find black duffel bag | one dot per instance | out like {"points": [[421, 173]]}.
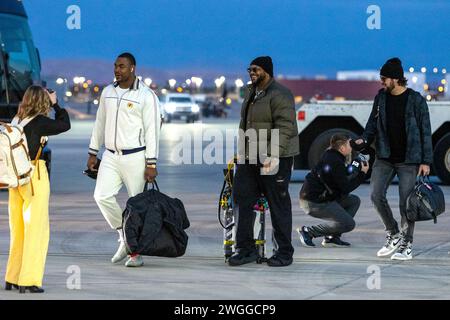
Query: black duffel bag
{"points": [[153, 224], [425, 202]]}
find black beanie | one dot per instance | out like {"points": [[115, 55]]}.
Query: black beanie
{"points": [[265, 63], [392, 69]]}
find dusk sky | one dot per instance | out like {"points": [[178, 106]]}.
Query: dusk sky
{"points": [[303, 37]]}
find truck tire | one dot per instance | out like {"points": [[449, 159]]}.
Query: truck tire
{"points": [[441, 159], [322, 142]]}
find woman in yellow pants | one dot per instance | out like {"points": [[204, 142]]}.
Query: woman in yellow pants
{"points": [[28, 204]]}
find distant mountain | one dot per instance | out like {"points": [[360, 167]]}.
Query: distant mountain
{"points": [[101, 72]]}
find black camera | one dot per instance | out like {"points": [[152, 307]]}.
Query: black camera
{"points": [[357, 163], [366, 156], [93, 173]]}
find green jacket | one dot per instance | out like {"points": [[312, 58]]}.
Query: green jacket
{"points": [[274, 108]]}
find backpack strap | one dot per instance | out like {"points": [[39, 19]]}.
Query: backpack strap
{"points": [[16, 121], [7, 126]]}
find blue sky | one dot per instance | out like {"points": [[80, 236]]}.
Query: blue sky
{"points": [[303, 37]]}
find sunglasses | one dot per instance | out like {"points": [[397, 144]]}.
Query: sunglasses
{"points": [[253, 69]]}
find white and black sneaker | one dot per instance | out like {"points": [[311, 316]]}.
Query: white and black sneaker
{"points": [[334, 242], [305, 237], [404, 252], [392, 244]]}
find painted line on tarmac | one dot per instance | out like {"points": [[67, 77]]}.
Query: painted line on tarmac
{"points": [[297, 260], [393, 263]]}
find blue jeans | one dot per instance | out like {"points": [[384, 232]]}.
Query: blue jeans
{"points": [[382, 175]]}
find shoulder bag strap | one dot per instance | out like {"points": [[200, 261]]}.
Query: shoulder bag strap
{"points": [[38, 155]]}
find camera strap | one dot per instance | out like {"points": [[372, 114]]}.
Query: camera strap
{"points": [[328, 189], [325, 184]]}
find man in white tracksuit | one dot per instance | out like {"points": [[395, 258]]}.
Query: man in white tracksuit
{"points": [[128, 125]]}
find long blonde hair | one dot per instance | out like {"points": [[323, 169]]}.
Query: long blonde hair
{"points": [[35, 101]]}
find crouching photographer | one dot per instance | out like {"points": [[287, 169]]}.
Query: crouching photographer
{"points": [[326, 194]]}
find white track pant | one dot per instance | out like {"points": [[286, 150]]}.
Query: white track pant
{"points": [[115, 171]]}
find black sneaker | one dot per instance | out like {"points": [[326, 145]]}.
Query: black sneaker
{"points": [[305, 238], [334, 242], [277, 261], [242, 257]]}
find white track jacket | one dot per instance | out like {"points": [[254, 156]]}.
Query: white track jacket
{"points": [[128, 122]]}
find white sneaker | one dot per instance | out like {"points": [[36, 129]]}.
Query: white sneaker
{"points": [[134, 261], [404, 252], [392, 244], [121, 252]]}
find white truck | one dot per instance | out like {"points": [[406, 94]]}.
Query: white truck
{"points": [[317, 122]]}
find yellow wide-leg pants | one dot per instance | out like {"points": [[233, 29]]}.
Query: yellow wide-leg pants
{"points": [[30, 231]]}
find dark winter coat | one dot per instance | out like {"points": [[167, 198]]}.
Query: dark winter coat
{"points": [[419, 147], [274, 108]]}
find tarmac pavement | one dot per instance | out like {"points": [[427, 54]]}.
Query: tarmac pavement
{"points": [[81, 242]]}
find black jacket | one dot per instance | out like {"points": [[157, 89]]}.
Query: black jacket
{"points": [[44, 126], [153, 224], [419, 145], [332, 171]]}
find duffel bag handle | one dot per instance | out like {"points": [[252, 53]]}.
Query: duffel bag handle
{"points": [[424, 179], [154, 184]]}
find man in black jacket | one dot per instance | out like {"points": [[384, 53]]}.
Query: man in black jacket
{"points": [[268, 110], [325, 194], [400, 125]]}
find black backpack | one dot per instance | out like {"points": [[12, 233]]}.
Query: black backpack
{"points": [[425, 202], [153, 224]]}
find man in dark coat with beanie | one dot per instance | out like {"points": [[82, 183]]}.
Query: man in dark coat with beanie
{"points": [[400, 125], [268, 141]]}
